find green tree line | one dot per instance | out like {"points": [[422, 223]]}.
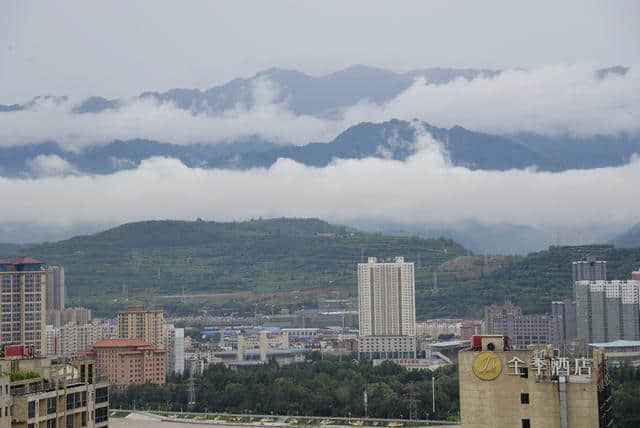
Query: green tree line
{"points": [[316, 388]]}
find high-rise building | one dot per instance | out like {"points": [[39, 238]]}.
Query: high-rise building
{"points": [[129, 361], [608, 310], [55, 288], [387, 309], [23, 308], [72, 339], [138, 323], [523, 330], [502, 387], [588, 269], [174, 343], [79, 315], [564, 314]]}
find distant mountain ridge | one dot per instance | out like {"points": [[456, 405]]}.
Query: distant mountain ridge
{"points": [[394, 139], [304, 94], [629, 239]]}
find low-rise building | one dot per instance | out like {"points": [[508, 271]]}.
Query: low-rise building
{"points": [[620, 351], [129, 361], [38, 392]]}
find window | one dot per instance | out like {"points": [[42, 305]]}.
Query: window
{"points": [[31, 409], [102, 395], [51, 423], [524, 398], [526, 423], [102, 414], [52, 405], [524, 372], [70, 421], [83, 421]]}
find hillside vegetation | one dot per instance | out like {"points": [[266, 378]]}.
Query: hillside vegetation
{"points": [[264, 260], [531, 282], [153, 258]]}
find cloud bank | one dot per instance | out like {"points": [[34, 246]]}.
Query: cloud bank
{"points": [[561, 99], [425, 189]]}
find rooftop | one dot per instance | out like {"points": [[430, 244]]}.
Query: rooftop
{"points": [[617, 344], [120, 343], [25, 261]]}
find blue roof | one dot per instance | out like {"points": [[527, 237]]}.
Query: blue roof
{"points": [[616, 344]]}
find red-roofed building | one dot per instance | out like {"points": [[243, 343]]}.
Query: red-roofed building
{"points": [[129, 361]]}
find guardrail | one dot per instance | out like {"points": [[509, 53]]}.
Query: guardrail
{"points": [[284, 418]]}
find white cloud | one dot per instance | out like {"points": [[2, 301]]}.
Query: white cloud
{"points": [[550, 100], [558, 99], [49, 165], [425, 189]]}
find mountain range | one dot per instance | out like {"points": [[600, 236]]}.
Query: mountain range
{"points": [[394, 139], [303, 93]]}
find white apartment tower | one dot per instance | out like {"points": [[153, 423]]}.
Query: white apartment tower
{"points": [[174, 343], [387, 305]]}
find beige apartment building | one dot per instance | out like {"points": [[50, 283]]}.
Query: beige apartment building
{"points": [[37, 393], [23, 303], [387, 309], [531, 388], [143, 324]]}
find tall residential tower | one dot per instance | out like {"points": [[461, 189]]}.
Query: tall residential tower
{"points": [[138, 323], [23, 312], [387, 305]]}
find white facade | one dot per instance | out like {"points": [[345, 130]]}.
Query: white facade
{"points": [[387, 309], [71, 339], [174, 341], [386, 294]]}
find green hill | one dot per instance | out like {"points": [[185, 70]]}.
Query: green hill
{"points": [[265, 259], [160, 257], [531, 282]]}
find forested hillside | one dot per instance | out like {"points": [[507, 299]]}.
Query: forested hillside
{"points": [[153, 258], [264, 260]]}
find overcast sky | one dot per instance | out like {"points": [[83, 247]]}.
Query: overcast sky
{"points": [[120, 48]]}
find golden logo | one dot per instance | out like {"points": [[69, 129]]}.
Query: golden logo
{"points": [[487, 366]]}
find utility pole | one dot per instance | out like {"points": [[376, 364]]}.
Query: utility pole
{"points": [[192, 390], [433, 395], [366, 407]]}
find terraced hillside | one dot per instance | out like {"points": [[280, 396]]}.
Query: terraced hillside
{"points": [[532, 281], [148, 259]]}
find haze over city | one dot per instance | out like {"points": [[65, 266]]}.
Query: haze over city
{"points": [[352, 214]]}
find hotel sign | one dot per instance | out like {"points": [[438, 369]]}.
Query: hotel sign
{"points": [[487, 366]]}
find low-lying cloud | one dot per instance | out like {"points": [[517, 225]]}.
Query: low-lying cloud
{"points": [[561, 99], [425, 189]]}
